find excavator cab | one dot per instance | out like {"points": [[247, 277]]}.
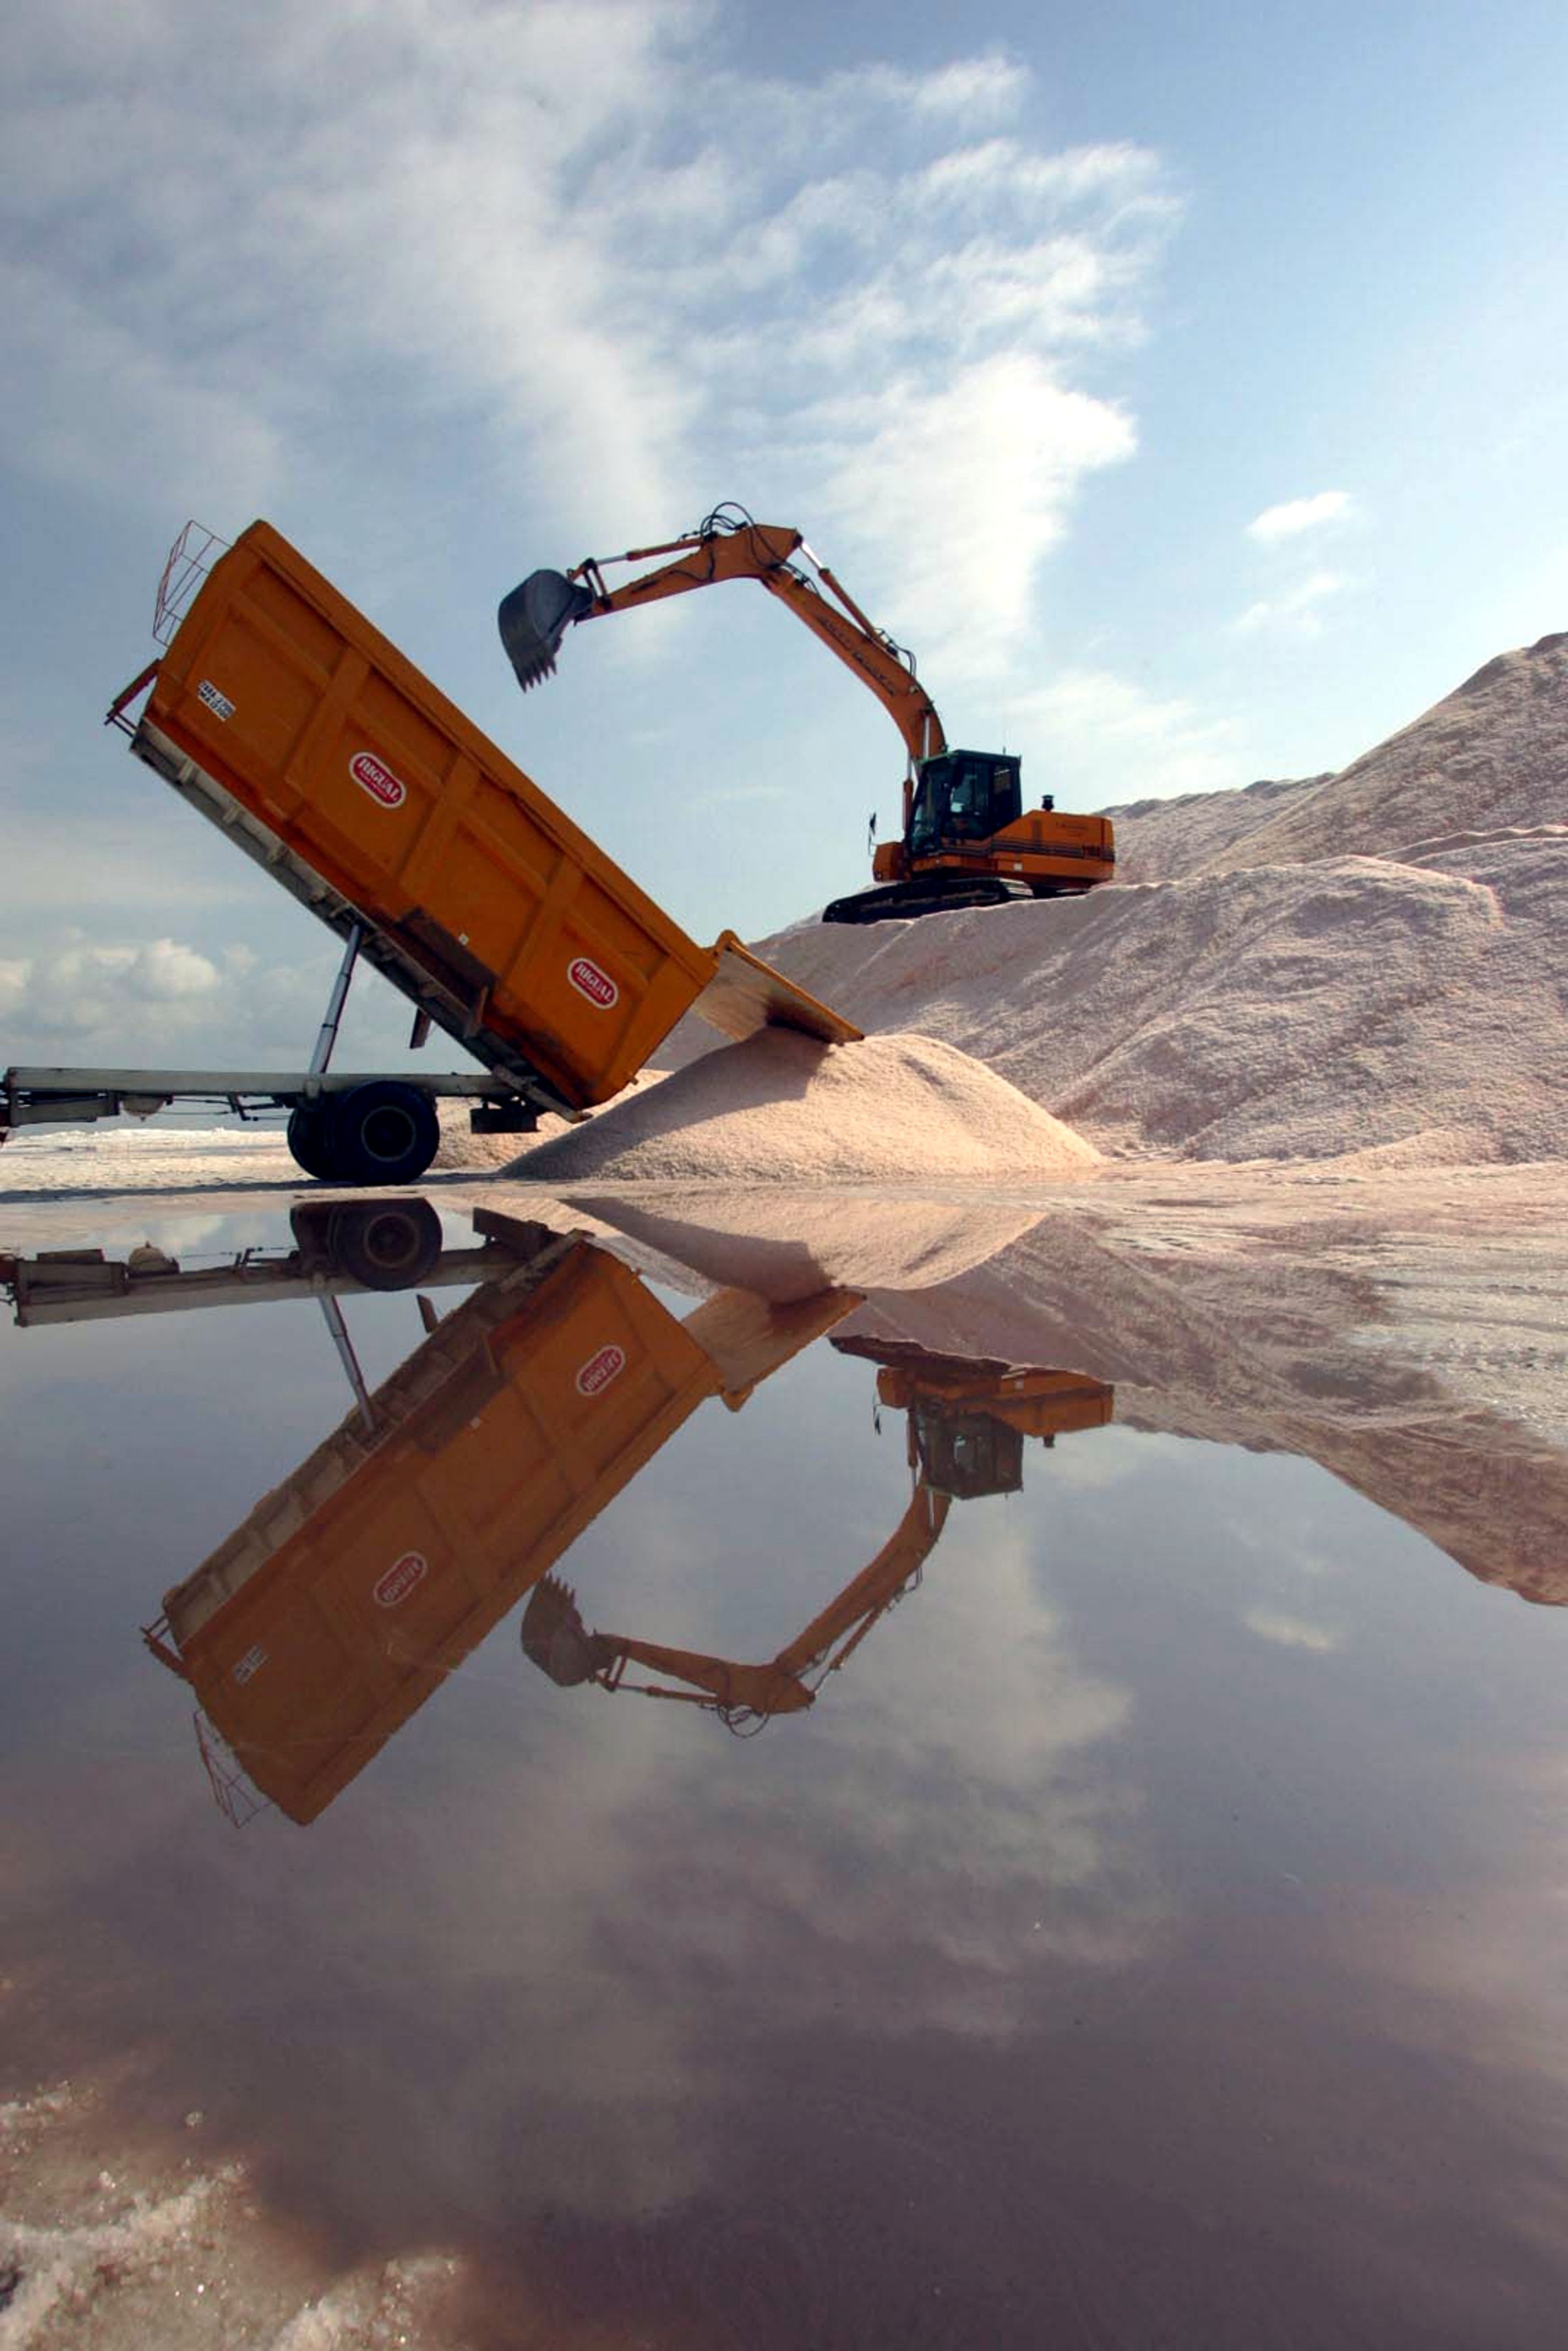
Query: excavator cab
{"points": [[965, 1455], [962, 795]]}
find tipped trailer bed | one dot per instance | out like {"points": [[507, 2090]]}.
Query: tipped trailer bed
{"points": [[283, 716]]}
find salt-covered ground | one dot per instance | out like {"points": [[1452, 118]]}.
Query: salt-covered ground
{"points": [[112, 2238]]}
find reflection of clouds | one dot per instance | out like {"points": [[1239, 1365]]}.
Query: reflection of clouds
{"points": [[1472, 1992], [1289, 1632], [953, 1842], [930, 1852], [1115, 1455]]}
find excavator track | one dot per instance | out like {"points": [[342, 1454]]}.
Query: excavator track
{"points": [[902, 901]]}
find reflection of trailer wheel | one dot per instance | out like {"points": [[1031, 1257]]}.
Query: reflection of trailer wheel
{"points": [[308, 1140], [393, 1245], [382, 1133]]}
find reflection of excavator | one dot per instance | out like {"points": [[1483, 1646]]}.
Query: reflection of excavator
{"points": [[968, 1421], [967, 838]]}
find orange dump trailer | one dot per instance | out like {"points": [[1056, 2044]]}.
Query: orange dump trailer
{"points": [[351, 1593], [287, 719]]}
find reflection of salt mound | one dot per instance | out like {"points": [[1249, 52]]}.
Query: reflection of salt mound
{"points": [[783, 1109], [786, 1245]]}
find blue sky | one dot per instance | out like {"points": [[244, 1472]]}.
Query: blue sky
{"points": [[1185, 386]]}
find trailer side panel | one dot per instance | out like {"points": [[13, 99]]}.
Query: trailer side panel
{"points": [[283, 694]]}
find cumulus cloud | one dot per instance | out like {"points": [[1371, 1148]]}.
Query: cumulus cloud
{"points": [[627, 274], [128, 1004], [999, 451], [81, 987], [1297, 515]]}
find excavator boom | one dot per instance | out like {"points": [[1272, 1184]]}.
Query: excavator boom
{"points": [[535, 617], [555, 1637], [967, 838]]}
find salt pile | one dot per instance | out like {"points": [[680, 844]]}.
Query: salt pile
{"points": [[1405, 1005], [782, 1109], [1490, 757]]}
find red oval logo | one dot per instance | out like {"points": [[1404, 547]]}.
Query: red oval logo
{"points": [[392, 1588], [596, 985], [599, 1370], [373, 775]]}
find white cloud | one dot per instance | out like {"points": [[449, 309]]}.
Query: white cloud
{"points": [[973, 89], [1296, 612], [1298, 515], [1104, 738], [259, 266], [81, 987], [1291, 1632], [999, 451], [160, 1001]]}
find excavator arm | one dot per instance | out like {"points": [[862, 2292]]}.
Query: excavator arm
{"points": [[743, 1697], [968, 1418], [535, 617]]}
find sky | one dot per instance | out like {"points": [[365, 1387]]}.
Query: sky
{"points": [[1185, 387]]}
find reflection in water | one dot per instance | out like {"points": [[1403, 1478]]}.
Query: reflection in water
{"points": [[359, 1585], [355, 1588], [968, 1421], [1122, 1957]]}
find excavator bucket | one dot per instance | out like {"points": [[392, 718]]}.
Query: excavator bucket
{"points": [[555, 1636], [534, 619]]}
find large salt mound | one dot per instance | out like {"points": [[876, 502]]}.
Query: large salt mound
{"points": [[1491, 754], [1297, 1011], [1161, 841], [783, 1109]]}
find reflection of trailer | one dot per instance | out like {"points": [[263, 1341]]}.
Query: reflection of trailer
{"points": [[281, 714], [337, 1248], [355, 1590]]}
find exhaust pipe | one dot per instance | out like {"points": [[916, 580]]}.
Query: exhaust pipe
{"points": [[534, 619]]}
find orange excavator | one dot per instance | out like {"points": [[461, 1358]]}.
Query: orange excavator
{"points": [[967, 840], [968, 1421]]}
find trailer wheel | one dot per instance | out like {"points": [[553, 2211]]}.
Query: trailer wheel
{"points": [[382, 1133], [391, 1246], [308, 1142]]}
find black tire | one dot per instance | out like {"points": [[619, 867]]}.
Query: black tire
{"points": [[310, 1141], [387, 1245], [382, 1133]]}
